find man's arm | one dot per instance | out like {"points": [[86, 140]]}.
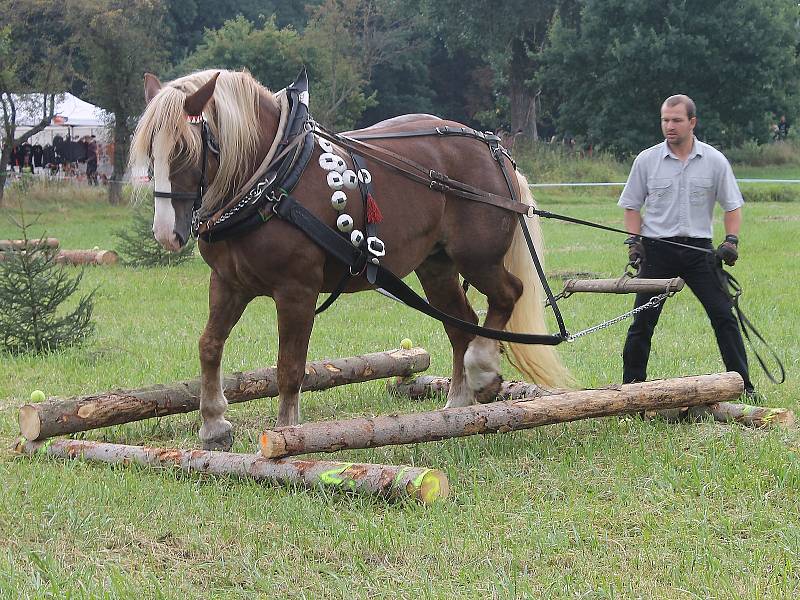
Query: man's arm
{"points": [[732, 221], [633, 221]]}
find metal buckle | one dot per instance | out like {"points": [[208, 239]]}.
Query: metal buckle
{"points": [[378, 251]]}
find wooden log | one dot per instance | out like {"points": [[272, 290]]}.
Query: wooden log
{"points": [[730, 412], [87, 257], [23, 245], [388, 481], [499, 416], [430, 386], [624, 285], [59, 416]]}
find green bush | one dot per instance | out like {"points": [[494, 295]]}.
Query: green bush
{"points": [[770, 193], [554, 163], [761, 155]]}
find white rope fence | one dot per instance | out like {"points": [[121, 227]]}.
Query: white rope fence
{"points": [[621, 184]]}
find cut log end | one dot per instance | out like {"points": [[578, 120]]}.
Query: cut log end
{"points": [[783, 417], [433, 486], [273, 445], [30, 424]]}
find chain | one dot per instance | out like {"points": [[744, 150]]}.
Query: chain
{"points": [[652, 303]]}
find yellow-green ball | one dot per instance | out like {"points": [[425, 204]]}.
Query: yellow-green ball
{"points": [[406, 344], [37, 396]]}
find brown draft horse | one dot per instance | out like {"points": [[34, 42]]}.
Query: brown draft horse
{"points": [[436, 235]]}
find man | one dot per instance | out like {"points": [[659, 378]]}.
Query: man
{"points": [[783, 128], [91, 160], [678, 182]]}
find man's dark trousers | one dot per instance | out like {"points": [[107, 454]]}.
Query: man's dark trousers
{"points": [[699, 271]]}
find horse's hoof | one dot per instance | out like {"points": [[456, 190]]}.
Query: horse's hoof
{"points": [[223, 443], [489, 393]]}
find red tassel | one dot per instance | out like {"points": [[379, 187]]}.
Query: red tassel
{"points": [[373, 212]]}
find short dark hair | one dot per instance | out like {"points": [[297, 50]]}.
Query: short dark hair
{"points": [[691, 111]]}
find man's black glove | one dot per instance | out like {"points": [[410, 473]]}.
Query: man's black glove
{"points": [[728, 251], [635, 251]]}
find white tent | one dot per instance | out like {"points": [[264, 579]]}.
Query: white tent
{"points": [[73, 117]]}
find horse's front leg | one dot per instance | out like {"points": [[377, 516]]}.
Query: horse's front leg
{"points": [[225, 307], [295, 320]]}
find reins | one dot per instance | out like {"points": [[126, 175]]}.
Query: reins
{"points": [[734, 290], [270, 194]]}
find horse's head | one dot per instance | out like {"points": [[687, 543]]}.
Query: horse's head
{"points": [[178, 138]]}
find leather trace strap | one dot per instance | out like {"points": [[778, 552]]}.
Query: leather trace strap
{"points": [[734, 289], [417, 172], [292, 211]]}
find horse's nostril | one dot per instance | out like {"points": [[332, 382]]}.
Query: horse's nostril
{"points": [[180, 239]]}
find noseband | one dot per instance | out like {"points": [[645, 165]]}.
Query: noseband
{"points": [[209, 145]]}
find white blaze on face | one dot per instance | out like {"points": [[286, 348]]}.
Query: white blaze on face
{"points": [[164, 218]]}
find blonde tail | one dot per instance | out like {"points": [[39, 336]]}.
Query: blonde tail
{"points": [[539, 364]]}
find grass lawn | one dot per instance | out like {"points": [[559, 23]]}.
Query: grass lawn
{"points": [[608, 508]]}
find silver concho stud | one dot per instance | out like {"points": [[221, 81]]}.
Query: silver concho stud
{"points": [[344, 223], [335, 181], [325, 145], [339, 201], [341, 166], [329, 161], [350, 179], [356, 237], [364, 176]]}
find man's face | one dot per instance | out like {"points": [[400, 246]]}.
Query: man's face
{"points": [[677, 127]]}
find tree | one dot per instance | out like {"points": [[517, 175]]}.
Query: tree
{"points": [[35, 66], [119, 40], [272, 55], [345, 41], [138, 248], [612, 70], [510, 36], [341, 46], [33, 288]]}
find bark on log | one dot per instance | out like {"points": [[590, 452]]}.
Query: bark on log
{"points": [[59, 416], [731, 412], [431, 386], [499, 416], [388, 481], [87, 257], [623, 285], [22, 245]]}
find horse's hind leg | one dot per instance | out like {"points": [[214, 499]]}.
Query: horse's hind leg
{"points": [[225, 307], [482, 358], [439, 279]]}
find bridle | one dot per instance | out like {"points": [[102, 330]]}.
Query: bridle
{"points": [[210, 144]]}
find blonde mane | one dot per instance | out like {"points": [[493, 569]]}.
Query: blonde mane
{"points": [[233, 118]]}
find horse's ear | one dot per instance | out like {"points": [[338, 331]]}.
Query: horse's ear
{"points": [[151, 86], [195, 103]]}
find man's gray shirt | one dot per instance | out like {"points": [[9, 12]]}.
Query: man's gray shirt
{"points": [[678, 198]]}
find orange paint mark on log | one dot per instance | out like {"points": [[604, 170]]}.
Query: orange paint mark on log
{"points": [[169, 455], [356, 472]]}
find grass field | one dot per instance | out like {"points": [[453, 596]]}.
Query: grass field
{"points": [[609, 508]]}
